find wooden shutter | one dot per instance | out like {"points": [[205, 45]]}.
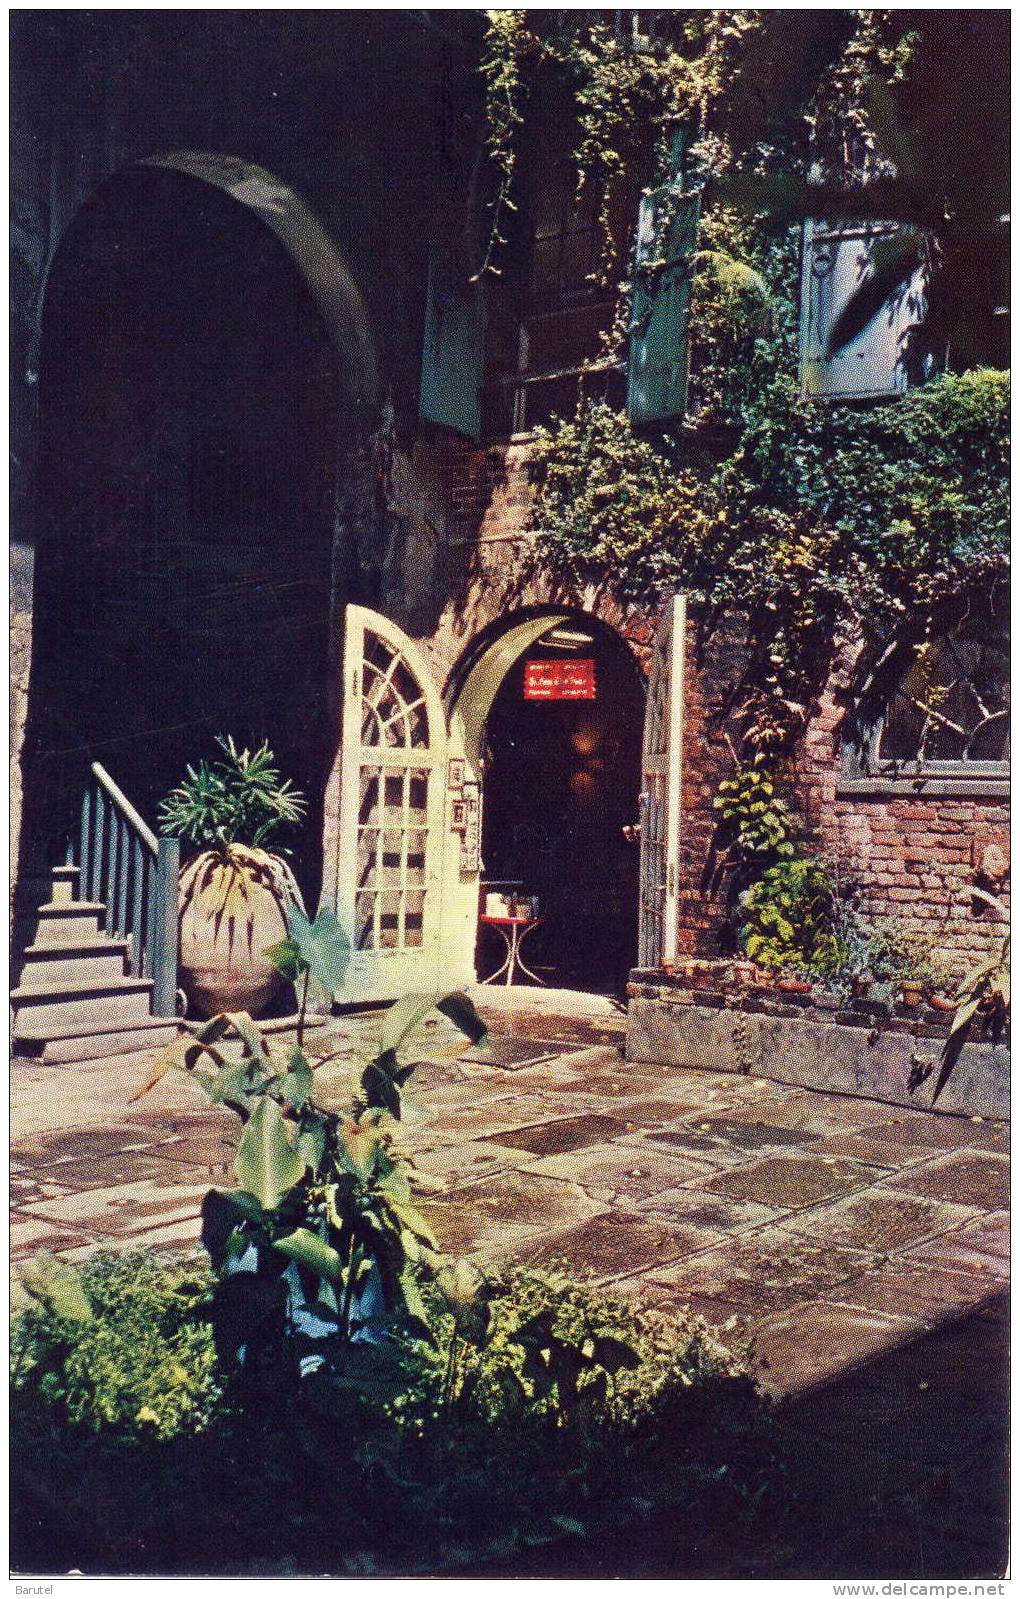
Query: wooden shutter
{"points": [[453, 348], [659, 334], [837, 260]]}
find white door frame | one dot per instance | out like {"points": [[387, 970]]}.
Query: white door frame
{"points": [[393, 730], [661, 773], [452, 758]]}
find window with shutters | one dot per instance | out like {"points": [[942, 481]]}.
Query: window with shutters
{"points": [[548, 312], [839, 260]]}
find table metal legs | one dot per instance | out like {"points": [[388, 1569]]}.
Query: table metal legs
{"points": [[513, 962]]}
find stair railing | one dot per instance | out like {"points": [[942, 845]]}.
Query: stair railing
{"points": [[122, 863]]}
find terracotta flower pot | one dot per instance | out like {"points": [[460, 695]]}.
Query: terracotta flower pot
{"points": [[942, 1002], [911, 994], [232, 907], [794, 985]]}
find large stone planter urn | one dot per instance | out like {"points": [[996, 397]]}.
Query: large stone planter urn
{"points": [[233, 905]]}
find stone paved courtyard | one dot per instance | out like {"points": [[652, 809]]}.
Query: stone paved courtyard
{"points": [[856, 1253], [814, 1230]]}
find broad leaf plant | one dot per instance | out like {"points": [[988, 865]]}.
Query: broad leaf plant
{"points": [[319, 1247]]}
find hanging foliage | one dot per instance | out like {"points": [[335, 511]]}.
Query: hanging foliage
{"points": [[825, 523]]}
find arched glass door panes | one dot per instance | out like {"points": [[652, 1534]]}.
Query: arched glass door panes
{"points": [[391, 816]]}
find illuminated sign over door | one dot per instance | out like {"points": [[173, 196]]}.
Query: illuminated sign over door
{"points": [[559, 680]]}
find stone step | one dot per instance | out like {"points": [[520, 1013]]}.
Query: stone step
{"points": [[50, 1011], [54, 962], [56, 884], [64, 923], [85, 1043], [63, 884]]}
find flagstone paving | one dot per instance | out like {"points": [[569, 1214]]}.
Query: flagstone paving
{"points": [[814, 1230]]}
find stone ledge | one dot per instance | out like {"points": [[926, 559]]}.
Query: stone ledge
{"points": [[862, 1058], [882, 787], [921, 1021]]}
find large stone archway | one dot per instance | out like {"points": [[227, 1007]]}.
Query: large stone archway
{"points": [[190, 524]]}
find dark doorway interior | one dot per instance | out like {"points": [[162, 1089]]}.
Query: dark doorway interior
{"points": [[189, 403], [561, 782]]}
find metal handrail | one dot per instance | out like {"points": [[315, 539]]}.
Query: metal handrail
{"points": [[125, 806], [124, 866]]}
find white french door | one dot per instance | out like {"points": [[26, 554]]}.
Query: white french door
{"points": [[660, 784], [386, 809]]}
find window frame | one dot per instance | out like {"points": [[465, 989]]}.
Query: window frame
{"points": [[864, 769]]}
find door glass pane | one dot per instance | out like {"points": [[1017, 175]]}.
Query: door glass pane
{"points": [[393, 798], [393, 710], [418, 797], [414, 918], [368, 844], [368, 809], [390, 860], [415, 857], [389, 918], [390, 866], [364, 921]]}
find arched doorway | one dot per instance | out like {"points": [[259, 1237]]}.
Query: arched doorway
{"points": [[416, 772], [199, 344], [551, 710]]}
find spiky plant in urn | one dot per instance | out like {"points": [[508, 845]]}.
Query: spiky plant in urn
{"points": [[236, 896]]}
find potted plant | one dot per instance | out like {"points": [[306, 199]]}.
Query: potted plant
{"points": [[912, 965], [829, 992], [793, 978], [235, 897]]}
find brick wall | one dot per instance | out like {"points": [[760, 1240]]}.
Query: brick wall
{"points": [[915, 856]]}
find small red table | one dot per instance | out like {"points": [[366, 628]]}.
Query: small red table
{"points": [[519, 928]]}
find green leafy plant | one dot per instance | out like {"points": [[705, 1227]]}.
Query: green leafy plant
{"points": [[237, 800], [787, 918], [235, 891], [758, 822], [984, 991], [319, 950], [121, 1345], [912, 957], [319, 1243], [398, 1474]]}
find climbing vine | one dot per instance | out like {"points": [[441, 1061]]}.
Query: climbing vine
{"points": [[503, 47], [700, 73], [818, 523], [824, 524]]}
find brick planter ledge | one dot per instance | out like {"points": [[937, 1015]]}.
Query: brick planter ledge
{"points": [[789, 1039]]}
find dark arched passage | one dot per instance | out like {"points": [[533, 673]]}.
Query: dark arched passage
{"points": [[192, 386], [561, 781]]}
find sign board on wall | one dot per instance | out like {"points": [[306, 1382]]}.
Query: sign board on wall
{"points": [[559, 680]]}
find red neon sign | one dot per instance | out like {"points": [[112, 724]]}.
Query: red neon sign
{"points": [[559, 680]]}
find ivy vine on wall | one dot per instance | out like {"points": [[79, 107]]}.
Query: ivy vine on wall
{"points": [[819, 523]]}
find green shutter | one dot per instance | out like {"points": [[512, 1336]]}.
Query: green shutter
{"points": [[659, 345], [453, 348]]}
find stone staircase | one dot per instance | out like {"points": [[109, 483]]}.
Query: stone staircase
{"points": [[75, 997]]}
